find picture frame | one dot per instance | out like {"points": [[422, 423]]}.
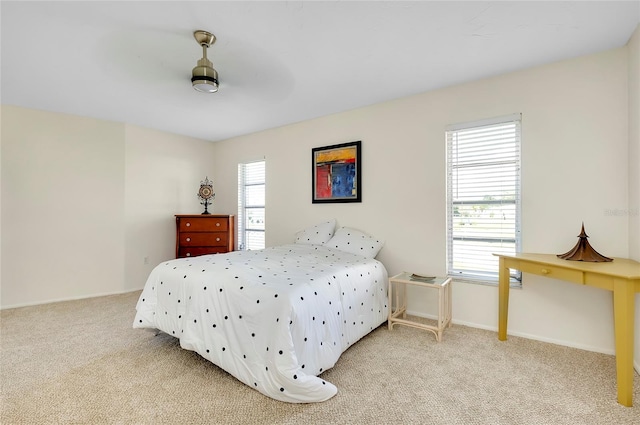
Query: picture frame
{"points": [[337, 173]]}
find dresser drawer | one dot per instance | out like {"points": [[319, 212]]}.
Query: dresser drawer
{"points": [[203, 239], [575, 276], [186, 251], [202, 224]]}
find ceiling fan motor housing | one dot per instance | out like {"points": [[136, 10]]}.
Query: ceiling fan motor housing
{"points": [[204, 71]]}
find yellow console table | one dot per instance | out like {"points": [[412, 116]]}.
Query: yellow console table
{"points": [[621, 277]]}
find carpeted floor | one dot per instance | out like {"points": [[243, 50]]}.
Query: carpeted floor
{"points": [[81, 362]]}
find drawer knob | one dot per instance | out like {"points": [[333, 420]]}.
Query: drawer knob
{"points": [[188, 239], [545, 271], [217, 239], [218, 224], [188, 224]]}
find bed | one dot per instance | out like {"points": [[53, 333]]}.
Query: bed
{"points": [[274, 318]]}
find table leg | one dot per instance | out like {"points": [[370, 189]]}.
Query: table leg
{"points": [[503, 300], [390, 296], [441, 310], [623, 312], [401, 294], [449, 303]]}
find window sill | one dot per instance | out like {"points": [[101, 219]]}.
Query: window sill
{"points": [[494, 283]]}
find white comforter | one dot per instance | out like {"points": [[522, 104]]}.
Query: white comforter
{"points": [[275, 318]]}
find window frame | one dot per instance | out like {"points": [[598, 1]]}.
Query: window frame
{"points": [[452, 135], [242, 229]]}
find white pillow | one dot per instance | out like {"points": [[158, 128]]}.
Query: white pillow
{"points": [[356, 242], [318, 234]]}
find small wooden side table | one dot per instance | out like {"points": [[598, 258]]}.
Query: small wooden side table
{"points": [[398, 297]]}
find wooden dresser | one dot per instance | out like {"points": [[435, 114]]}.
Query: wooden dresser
{"points": [[198, 234]]}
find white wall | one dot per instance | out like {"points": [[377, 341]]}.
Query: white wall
{"points": [[634, 145], [85, 201], [62, 206], [163, 175], [574, 169], [634, 168]]}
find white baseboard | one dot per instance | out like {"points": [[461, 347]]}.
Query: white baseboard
{"points": [[58, 300]]}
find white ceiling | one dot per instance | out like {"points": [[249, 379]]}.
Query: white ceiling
{"points": [[279, 62]]}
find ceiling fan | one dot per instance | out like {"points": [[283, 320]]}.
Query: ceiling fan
{"points": [[241, 62], [204, 77]]}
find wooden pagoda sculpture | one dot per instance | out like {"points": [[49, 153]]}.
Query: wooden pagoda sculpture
{"points": [[583, 251]]}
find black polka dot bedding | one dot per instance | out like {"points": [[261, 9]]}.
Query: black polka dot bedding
{"points": [[274, 318]]}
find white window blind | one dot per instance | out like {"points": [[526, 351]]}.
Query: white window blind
{"points": [[251, 205], [483, 196]]}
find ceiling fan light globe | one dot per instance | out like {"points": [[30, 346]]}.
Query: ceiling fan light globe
{"points": [[205, 86]]}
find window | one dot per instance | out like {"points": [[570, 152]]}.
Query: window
{"points": [[483, 197], [251, 197]]}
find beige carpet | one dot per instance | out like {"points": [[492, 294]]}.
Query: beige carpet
{"points": [[81, 362]]}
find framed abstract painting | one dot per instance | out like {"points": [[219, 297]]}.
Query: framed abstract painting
{"points": [[336, 173]]}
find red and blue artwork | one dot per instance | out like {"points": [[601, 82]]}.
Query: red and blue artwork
{"points": [[336, 173]]}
